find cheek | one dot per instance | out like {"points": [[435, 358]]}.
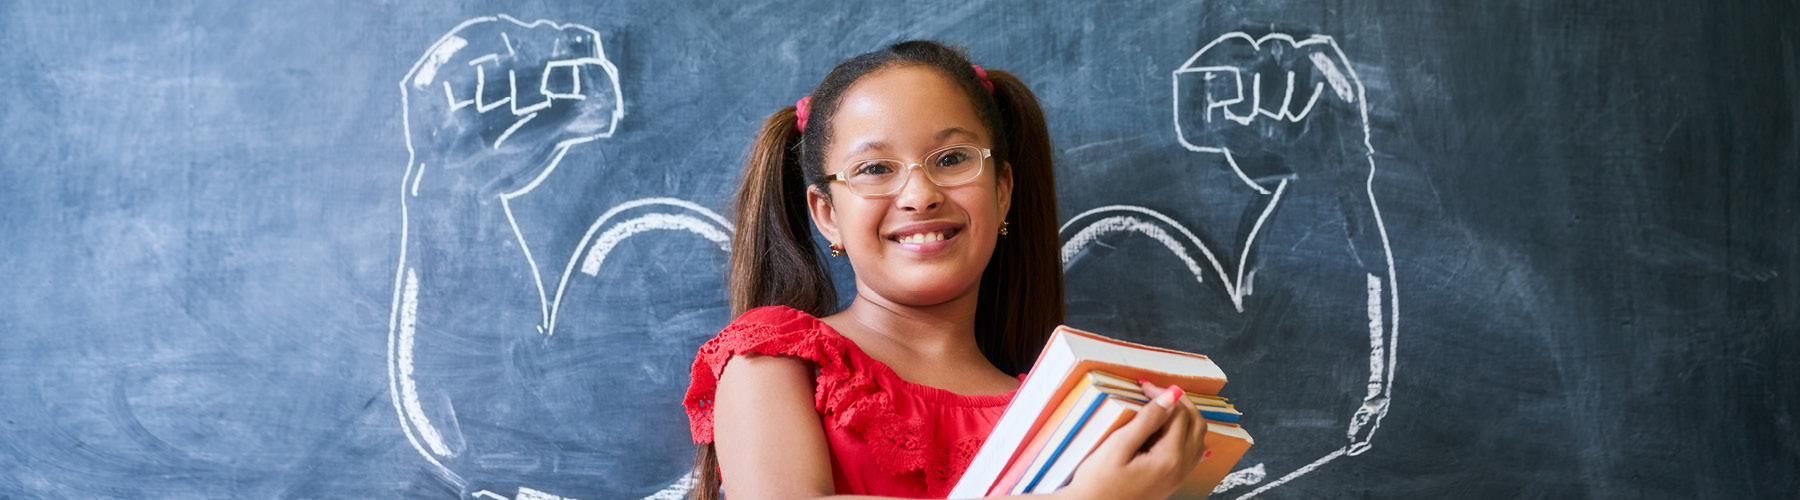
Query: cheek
{"points": [[859, 220]]}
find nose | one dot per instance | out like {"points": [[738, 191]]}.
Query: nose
{"points": [[919, 194]]}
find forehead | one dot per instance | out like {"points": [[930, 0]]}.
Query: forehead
{"points": [[902, 110]]}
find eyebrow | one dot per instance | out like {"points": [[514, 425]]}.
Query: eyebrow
{"points": [[940, 136]]}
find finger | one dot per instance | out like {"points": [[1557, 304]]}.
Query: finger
{"points": [[1196, 435], [1150, 390], [1176, 432], [1125, 442]]}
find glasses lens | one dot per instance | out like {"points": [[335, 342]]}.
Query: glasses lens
{"points": [[876, 177], [955, 165]]}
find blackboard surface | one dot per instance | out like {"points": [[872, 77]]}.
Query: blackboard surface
{"points": [[407, 250]]}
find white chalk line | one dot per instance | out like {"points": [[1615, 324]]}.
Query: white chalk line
{"points": [[653, 222], [1090, 231], [718, 226], [512, 83], [1295, 474], [438, 55], [1339, 84], [1241, 477], [416, 177], [531, 494], [481, 90], [490, 58], [409, 391], [1393, 289], [1250, 241], [514, 128], [1093, 231], [456, 105]]}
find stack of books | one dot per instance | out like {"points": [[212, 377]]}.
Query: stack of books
{"points": [[1082, 388]]}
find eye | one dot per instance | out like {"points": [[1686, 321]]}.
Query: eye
{"points": [[953, 158], [872, 168]]}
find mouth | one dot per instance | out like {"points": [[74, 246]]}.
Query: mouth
{"points": [[927, 237], [925, 234]]}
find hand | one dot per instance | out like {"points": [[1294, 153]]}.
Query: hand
{"points": [[496, 102], [1147, 458], [1260, 102]]}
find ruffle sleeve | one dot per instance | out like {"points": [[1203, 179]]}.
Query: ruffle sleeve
{"points": [[849, 394]]}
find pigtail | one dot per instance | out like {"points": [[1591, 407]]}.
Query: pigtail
{"points": [[1022, 288], [773, 258]]}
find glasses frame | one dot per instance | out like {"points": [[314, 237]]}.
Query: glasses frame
{"points": [[843, 177]]}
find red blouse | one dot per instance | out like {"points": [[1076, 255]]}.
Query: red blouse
{"points": [[888, 436]]}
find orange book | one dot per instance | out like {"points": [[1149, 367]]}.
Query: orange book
{"points": [[1227, 443]]}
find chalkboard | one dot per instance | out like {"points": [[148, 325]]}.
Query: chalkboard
{"points": [[409, 250]]}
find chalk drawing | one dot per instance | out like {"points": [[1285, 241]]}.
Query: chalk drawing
{"points": [[1244, 105], [571, 71]]}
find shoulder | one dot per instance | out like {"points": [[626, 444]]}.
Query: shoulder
{"points": [[775, 330], [775, 345]]}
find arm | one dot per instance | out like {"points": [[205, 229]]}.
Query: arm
{"points": [[771, 442]]}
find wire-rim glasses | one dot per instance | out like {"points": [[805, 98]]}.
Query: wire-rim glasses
{"points": [[952, 165]]}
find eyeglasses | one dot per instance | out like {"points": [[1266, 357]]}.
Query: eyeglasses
{"points": [[953, 165]]}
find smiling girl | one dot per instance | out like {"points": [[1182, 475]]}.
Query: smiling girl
{"points": [[934, 178]]}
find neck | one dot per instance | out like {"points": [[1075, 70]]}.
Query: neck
{"points": [[940, 331]]}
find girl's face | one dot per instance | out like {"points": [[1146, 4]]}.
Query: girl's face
{"points": [[926, 244]]}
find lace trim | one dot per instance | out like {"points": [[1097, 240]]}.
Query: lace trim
{"points": [[848, 395]]}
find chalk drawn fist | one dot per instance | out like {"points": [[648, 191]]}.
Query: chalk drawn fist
{"points": [[498, 101], [1259, 102]]}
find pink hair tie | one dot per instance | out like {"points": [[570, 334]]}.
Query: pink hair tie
{"points": [[984, 81], [802, 110]]}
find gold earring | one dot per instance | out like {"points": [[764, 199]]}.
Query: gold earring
{"points": [[1004, 227], [837, 250]]}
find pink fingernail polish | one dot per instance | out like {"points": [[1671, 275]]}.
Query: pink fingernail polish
{"points": [[1208, 454], [1167, 398]]}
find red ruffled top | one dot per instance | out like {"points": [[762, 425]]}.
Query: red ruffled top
{"points": [[888, 436]]}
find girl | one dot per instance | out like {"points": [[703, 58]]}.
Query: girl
{"points": [[934, 178]]}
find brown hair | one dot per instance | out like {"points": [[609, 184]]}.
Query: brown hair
{"points": [[774, 260]]}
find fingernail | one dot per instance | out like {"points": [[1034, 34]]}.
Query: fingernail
{"points": [[1208, 454], [1167, 398]]}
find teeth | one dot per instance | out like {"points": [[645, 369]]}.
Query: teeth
{"points": [[922, 237]]}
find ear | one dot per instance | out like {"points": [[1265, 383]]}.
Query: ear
{"points": [[1004, 188], [818, 205]]}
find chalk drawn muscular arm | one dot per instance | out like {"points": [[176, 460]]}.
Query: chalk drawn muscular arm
{"points": [[490, 110], [1281, 111]]}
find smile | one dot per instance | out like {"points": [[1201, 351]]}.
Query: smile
{"points": [[927, 237]]}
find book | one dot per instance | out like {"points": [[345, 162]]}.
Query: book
{"points": [[1086, 400], [1093, 379], [1114, 412], [1227, 443], [1063, 365]]}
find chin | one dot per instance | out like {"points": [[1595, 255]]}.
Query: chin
{"points": [[928, 292]]}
